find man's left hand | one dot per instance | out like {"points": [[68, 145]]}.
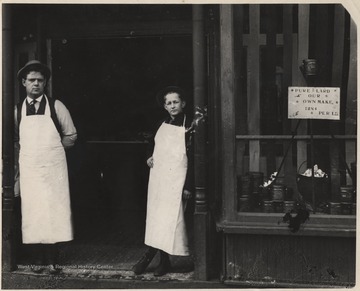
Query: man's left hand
{"points": [[186, 195]]}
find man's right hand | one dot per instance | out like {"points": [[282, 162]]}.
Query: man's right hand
{"points": [[150, 162]]}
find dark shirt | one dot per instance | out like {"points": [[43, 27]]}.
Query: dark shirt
{"points": [[178, 121]]}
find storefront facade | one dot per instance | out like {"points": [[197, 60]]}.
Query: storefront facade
{"points": [[237, 61]]}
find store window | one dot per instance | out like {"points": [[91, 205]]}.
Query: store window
{"points": [[275, 155]]}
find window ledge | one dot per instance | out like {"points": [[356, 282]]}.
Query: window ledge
{"points": [[272, 224]]}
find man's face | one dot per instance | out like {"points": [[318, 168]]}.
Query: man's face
{"points": [[173, 104], [35, 84]]}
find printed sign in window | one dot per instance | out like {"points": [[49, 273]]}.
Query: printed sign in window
{"points": [[314, 103]]}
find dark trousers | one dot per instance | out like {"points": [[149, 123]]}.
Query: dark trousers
{"points": [[44, 254]]}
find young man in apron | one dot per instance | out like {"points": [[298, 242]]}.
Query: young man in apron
{"points": [[42, 171], [169, 184]]}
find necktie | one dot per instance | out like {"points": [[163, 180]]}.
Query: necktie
{"points": [[32, 109]]}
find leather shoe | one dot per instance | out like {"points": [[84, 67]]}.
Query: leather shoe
{"points": [[37, 269], [141, 265], [164, 266], [52, 270]]}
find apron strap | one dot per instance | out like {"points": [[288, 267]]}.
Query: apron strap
{"points": [[184, 120]]}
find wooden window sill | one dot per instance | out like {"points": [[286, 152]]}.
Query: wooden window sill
{"points": [[272, 224]]}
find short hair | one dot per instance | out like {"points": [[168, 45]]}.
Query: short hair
{"points": [[168, 90]]}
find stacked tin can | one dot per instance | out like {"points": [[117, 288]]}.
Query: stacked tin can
{"points": [[249, 191], [344, 203], [278, 196], [347, 200], [244, 185], [257, 179]]}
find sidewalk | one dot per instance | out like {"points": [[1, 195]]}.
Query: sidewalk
{"points": [[72, 278]]}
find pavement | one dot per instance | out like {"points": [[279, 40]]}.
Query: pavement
{"points": [[82, 278]]}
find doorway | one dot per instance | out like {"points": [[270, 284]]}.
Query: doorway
{"points": [[109, 87]]}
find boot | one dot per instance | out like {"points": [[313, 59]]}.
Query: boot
{"points": [[141, 265], [51, 253], [164, 265]]}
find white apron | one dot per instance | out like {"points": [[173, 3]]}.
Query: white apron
{"points": [[165, 225], [45, 198]]}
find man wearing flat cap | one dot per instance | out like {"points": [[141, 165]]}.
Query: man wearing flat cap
{"points": [[43, 130]]}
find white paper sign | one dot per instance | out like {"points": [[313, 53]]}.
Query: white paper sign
{"points": [[314, 103]]}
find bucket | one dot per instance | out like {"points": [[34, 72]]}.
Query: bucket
{"points": [[305, 187]]}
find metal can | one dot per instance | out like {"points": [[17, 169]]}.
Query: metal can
{"points": [[335, 208], [278, 192], [278, 206], [288, 206], [346, 208], [267, 206], [346, 194], [257, 179], [244, 185], [309, 67], [244, 204]]}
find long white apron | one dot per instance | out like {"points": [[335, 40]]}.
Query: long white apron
{"points": [[44, 185], [165, 225]]}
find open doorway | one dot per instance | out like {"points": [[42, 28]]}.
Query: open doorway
{"points": [[109, 87]]}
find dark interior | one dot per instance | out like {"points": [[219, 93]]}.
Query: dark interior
{"points": [[109, 87]]}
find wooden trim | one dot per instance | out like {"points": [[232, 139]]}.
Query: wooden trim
{"points": [[214, 114], [227, 109], [201, 226], [287, 59], [336, 81], [338, 46], [199, 69], [240, 98], [303, 52], [351, 113], [262, 38], [254, 86], [271, 224], [288, 285], [8, 155], [288, 51], [297, 137], [116, 142], [269, 88], [121, 29]]}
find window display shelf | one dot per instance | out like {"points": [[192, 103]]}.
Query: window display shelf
{"points": [[273, 224]]}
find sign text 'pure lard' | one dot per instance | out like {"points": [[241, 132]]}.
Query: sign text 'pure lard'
{"points": [[314, 103]]}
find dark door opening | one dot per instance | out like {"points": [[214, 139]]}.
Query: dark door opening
{"points": [[109, 86]]}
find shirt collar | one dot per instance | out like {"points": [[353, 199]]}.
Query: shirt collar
{"points": [[37, 99], [179, 117]]}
